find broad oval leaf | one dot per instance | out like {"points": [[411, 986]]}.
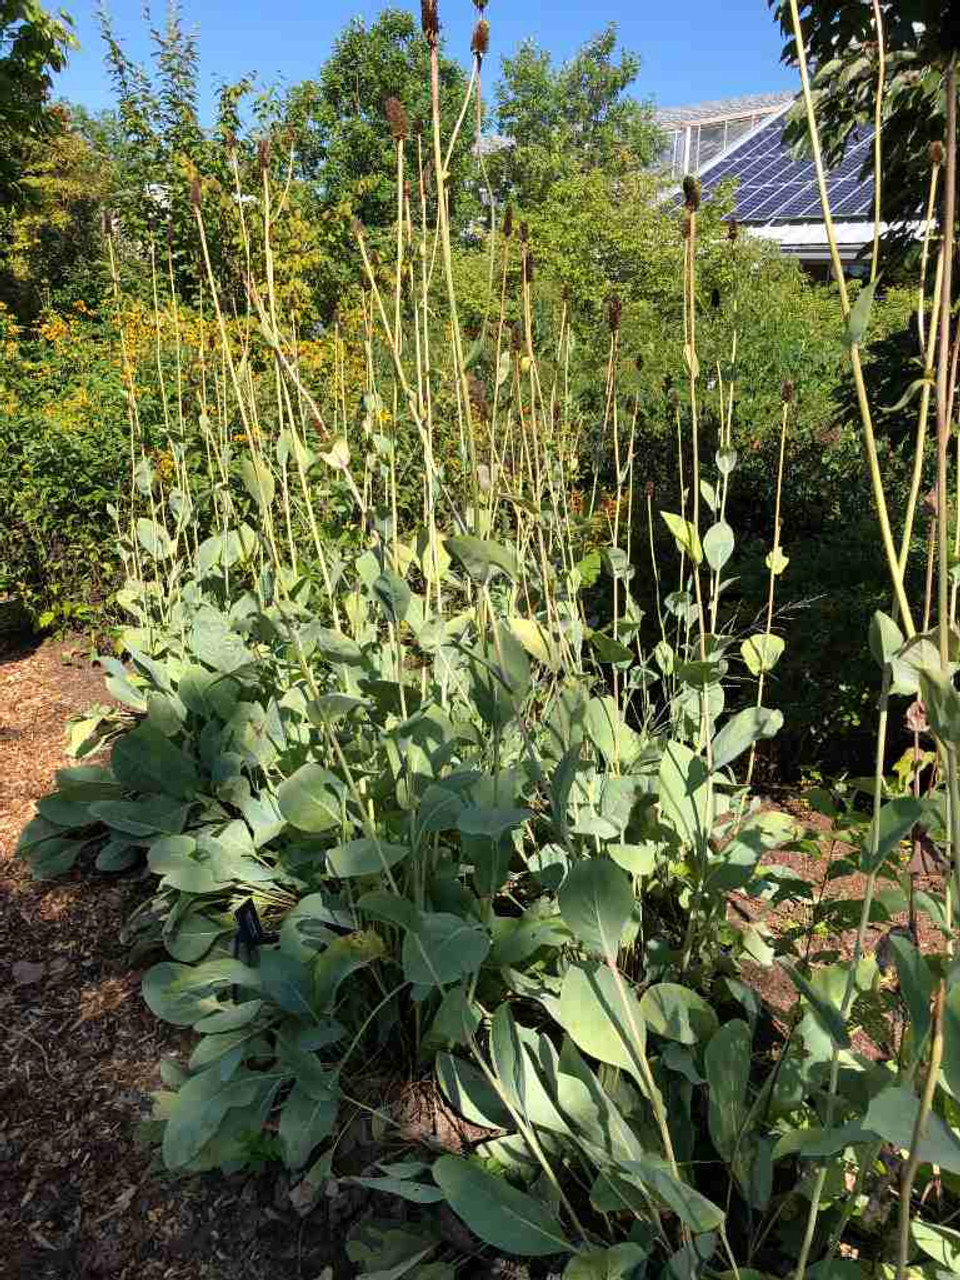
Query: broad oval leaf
{"points": [[727, 1064], [726, 460], [365, 856], [602, 1015], [885, 638], [312, 799], [685, 795], [940, 1243], [482, 558], [304, 1122], [619, 1262], [198, 1109], [471, 1094], [535, 638], [825, 1012], [443, 948], [146, 760], [761, 653], [154, 538], [859, 316], [596, 902], [741, 731], [896, 820], [892, 1115], [718, 544], [498, 1213], [685, 535], [677, 1013], [699, 1213]]}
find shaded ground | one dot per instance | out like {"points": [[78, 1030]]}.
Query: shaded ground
{"points": [[817, 927]]}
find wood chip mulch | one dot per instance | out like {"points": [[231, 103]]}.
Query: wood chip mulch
{"points": [[817, 926], [78, 1197]]}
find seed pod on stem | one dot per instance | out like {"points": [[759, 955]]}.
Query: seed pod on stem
{"points": [[508, 222], [264, 151], [430, 21], [397, 119], [480, 42], [614, 313], [691, 192], [195, 192], [787, 390]]}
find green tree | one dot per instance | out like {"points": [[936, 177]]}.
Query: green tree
{"points": [[33, 45], [343, 141], [51, 252], [573, 118], [162, 151], [920, 37]]}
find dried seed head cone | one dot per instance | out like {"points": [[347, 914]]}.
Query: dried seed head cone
{"points": [[430, 21], [481, 39], [614, 313], [397, 119]]}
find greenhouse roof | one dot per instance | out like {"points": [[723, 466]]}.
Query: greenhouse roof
{"points": [[774, 185]]}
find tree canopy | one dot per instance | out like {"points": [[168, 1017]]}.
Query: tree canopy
{"points": [[575, 117], [33, 45], [919, 39], [344, 145]]}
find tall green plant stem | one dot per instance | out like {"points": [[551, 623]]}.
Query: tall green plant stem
{"points": [[848, 994], [943, 365], [774, 554], [944, 397], [870, 441], [909, 1172], [690, 355], [398, 291], [443, 230], [877, 138], [901, 606], [925, 256], [929, 347]]}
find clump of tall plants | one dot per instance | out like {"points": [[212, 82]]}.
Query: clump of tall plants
{"points": [[433, 812]]}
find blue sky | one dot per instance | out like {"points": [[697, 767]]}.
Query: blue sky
{"points": [[692, 50]]}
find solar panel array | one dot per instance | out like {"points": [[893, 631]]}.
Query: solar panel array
{"points": [[772, 186]]}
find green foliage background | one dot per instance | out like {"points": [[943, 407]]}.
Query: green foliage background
{"points": [[574, 173]]}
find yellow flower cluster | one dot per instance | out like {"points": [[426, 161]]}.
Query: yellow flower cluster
{"points": [[54, 329]]}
